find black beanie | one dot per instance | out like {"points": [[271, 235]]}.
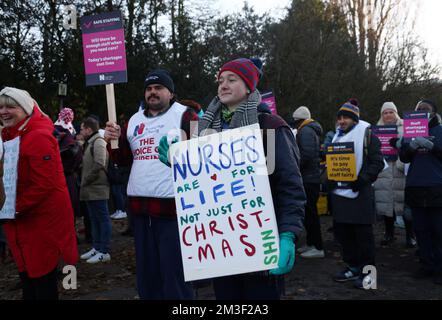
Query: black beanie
{"points": [[160, 76], [431, 103]]}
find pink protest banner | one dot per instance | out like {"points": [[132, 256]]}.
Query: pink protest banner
{"points": [[269, 98], [104, 55], [385, 134], [103, 48], [416, 124]]}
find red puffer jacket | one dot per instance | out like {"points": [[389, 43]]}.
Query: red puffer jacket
{"points": [[43, 230]]}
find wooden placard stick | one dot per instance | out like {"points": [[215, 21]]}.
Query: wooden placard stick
{"points": [[111, 112]]}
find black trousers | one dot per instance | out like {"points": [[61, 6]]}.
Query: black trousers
{"points": [[357, 242], [249, 286], [311, 221], [428, 228], [42, 288]]}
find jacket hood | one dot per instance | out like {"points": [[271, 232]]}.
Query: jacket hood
{"points": [[315, 126]]}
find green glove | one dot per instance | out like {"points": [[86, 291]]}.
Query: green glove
{"points": [[286, 254], [163, 150]]}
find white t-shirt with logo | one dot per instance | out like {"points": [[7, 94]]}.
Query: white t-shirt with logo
{"points": [[149, 177]]}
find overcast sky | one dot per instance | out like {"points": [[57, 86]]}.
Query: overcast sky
{"points": [[428, 23]]}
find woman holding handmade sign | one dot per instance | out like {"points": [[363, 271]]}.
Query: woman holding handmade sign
{"points": [[390, 185], [236, 105], [39, 228], [423, 191], [354, 161]]}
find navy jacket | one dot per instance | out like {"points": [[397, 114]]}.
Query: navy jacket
{"points": [[423, 186]]}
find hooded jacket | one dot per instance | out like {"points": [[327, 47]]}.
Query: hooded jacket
{"points": [[309, 143], [43, 230]]}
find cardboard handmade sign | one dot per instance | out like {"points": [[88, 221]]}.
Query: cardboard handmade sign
{"points": [[103, 48], [341, 161], [224, 204], [10, 162], [416, 124], [385, 134]]}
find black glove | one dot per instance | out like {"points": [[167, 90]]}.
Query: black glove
{"points": [[359, 184], [331, 185], [394, 143]]}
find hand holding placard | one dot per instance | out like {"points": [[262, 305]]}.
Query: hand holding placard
{"points": [[287, 254], [112, 114], [225, 212], [112, 131], [163, 150], [421, 142]]}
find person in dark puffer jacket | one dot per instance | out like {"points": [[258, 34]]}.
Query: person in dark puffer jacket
{"points": [[423, 192], [308, 138]]}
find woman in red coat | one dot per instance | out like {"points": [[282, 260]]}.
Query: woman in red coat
{"points": [[42, 231]]}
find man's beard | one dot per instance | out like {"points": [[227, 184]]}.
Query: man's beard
{"points": [[158, 106]]}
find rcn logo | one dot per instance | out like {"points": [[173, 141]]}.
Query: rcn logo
{"points": [[139, 129]]}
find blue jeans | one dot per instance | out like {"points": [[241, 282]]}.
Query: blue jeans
{"points": [[101, 225], [119, 196]]}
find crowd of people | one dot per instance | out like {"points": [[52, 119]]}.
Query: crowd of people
{"points": [[57, 167]]}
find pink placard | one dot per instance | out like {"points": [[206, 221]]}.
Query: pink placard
{"points": [[386, 148], [416, 124], [269, 99], [104, 51]]}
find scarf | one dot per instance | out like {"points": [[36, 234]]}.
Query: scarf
{"points": [[304, 123], [245, 114]]}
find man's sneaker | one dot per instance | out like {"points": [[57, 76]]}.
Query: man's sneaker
{"points": [[89, 254], [410, 242], [313, 253], [120, 215], [113, 215], [99, 257], [364, 282], [305, 248], [346, 275]]}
